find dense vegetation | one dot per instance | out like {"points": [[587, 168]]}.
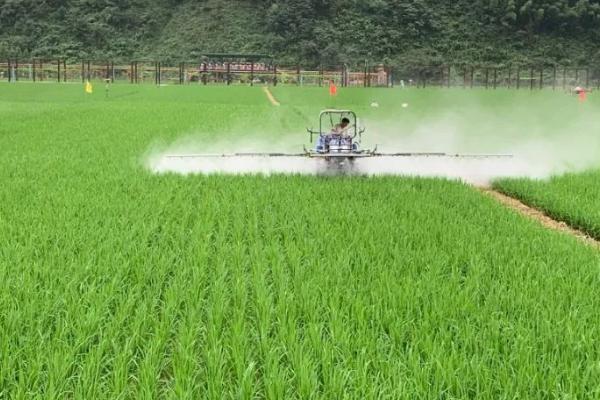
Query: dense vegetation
{"points": [[307, 31], [119, 283], [572, 198]]}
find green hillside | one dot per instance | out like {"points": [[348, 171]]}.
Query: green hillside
{"points": [[307, 31]]}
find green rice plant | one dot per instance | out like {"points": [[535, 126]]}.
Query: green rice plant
{"points": [[572, 198], [120, 283]]}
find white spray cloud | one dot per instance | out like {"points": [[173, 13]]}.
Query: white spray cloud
{"points": [[537, 153]]}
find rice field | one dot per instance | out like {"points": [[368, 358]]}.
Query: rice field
{"points": [[121, 283], [572, 198]]}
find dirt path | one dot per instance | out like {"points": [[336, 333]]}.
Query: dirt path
{"points": [[539, 216], [270, 96]]}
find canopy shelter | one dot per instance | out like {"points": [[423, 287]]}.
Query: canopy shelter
{"points": [[237, 66]]}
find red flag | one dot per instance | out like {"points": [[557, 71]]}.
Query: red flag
{"points": [[582, 95], [332, 88]]}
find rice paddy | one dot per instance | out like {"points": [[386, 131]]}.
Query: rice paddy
{"points": [[121, 283]]}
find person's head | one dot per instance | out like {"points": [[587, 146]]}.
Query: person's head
{"points": [[345, 122]]}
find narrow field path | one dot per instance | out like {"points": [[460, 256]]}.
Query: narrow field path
{"points": [[270, 96], [539, 216]]}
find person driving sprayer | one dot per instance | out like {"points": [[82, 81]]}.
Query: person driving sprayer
{"points": [[337, 135], [341, 128]]}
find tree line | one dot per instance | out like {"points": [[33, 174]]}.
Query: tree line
{"points": [[309, 32]]}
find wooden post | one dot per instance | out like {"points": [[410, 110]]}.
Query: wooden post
{"points": [[509, 76], [228, 69], [518, 77], [390, 76], [495, 78], [89, 72], [33, 62], [82, 71], [564, 78], [9, 70], [587, 78], [112, 72], [298, 75], [274, 75], [58, 70], [252, 73], [365, 75], [531, 79], [472, 75], [465, 77], [541, 78], [448, 79], [487, 76], [204, 75], [554, 78], [64, 70]]}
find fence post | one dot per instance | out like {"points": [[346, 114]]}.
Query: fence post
{"points": [[518, 77], [472, 75], [64, 70], [441, 82], [541, 78], [365, 75], [274, 75], [587, 78], [564, 78], [509, 76], [89, 70], [33, 63], [495, 77], [464, 77], [554, 78], [58, 70], [9, 70], [531, 79], [252, 73], [228, 70], [449, 74], [321, 73], [487, 76]]}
